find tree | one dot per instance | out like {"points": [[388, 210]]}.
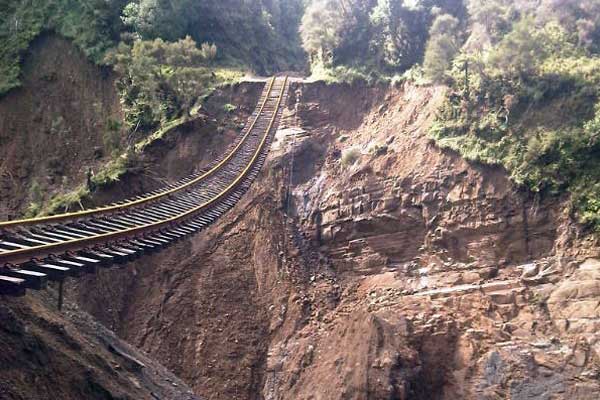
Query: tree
{"points": [[208, 51], [581, 17], [493, 16], [157, 18], [522, 50], [398, 33], [335, 31], [441, 47], [320, 31]]}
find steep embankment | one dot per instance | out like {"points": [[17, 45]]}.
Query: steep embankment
{"points": [[187, 148], [55, 126], [69, 356], [47, 354], [67, 118], [402, 274]]}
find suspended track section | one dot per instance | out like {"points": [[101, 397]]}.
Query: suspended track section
{"points": [[35, 251]]}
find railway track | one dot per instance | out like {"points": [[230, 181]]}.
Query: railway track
{"points": [[35, 251]]}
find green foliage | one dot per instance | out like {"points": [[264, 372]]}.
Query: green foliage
{"points": [[65, 202], [382, 37], [522, 96], [441, 47], [208, 51], [378, 149], [538, 122], [159, 133], [35, 192], [156, 18], [93, 25], [161, 81], [579, 17], [398, 35], [112, 135], [113, 171], [340, 74], [261, 33], [229, 108], [493, 16]]}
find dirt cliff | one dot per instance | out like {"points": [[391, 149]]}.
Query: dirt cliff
{"points": [[365, 263], [68, 355], [55, 126], [67, 117]]}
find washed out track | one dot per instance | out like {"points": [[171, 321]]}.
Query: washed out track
{"points": [[35, 251]]}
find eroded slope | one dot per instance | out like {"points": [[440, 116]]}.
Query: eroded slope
{"points": [[403, 273]]}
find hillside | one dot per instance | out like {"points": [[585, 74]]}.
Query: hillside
{"points": [[416, 215]]}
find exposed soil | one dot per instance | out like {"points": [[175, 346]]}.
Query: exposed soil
{"points": [[51, 355], [52, 128], [187, 148], [68, 355], [409, 274]]}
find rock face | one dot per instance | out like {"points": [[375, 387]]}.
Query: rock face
{"points": [[574, 305], [405, 273]]}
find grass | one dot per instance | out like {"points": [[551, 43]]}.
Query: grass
{"points": [[160, 133], [74, 199], [346, 74]]}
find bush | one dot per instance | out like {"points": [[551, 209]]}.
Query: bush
{"points": [[350, 156], [378, 149], [162, 81], [229, 108]]}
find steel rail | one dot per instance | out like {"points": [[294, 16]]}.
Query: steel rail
{"points": [[128, 204], [25, 254]]}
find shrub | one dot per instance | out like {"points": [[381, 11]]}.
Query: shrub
{"points": [[162, 81], [350, 156], [378, 149], [229, 108]]}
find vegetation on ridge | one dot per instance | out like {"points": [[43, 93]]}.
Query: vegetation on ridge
{"points": [[524, 94], [259, 35]]}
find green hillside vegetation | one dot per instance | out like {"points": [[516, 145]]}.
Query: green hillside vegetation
{"points": [[524, 94], [94, 25], [260, 35]]}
